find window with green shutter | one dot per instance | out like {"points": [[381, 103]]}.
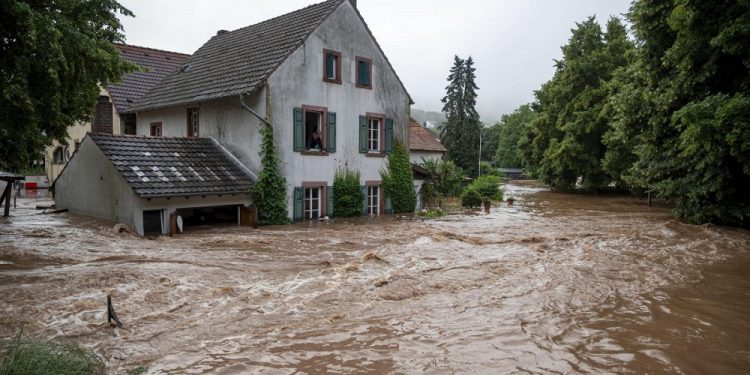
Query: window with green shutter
{"points": [[299, 131], [331, 66], [298, 203], [363, 134], [388, 135], [331, 132], [364, 72]]}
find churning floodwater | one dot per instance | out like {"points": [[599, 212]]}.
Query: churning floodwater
{"points": [[554, 284]]}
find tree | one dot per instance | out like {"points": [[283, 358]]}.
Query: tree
{"points": [[444, 180], [483, 189], [460, 133], [511, 128], [53, 57], [690, 138], [398, 181], [566, 137]]}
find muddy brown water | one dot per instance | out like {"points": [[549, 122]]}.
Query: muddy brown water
{"points": [[554, 284]]}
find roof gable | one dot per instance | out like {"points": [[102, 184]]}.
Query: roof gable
{"points": [[157, 63], [240, 61], [422, 139], [237, 62], [166, 167]]}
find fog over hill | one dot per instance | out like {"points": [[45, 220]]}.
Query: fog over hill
{"points": [[434, 118]]}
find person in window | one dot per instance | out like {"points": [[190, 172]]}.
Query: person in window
{"points": [[315, 143]]}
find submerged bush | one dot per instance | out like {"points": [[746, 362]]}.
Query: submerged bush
{"points": [[471, 198], [398, 181], [24, 356], [347, 194]]}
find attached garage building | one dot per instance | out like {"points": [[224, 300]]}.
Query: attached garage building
{"points": [[146, 182]]}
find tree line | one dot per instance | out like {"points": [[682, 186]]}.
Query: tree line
{"points": [[664, 109]]}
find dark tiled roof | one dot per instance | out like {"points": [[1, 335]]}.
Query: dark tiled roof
{"points": [[422, 139], [168, 167], [5, 176], [239, 61], [132, 87]]}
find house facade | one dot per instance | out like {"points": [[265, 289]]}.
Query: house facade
{"points": [[113, 112], [317, 75]]}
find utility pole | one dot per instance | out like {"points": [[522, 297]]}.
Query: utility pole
{"points": [[480, 150]]}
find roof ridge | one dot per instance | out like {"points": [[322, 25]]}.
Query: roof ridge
{"points": [[152, 49], [283, 15]]}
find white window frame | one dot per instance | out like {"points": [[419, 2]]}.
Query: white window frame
{"points": [[373, 200], [308, 201], [373, 134]]}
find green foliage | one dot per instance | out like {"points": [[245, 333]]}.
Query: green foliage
{"points": [[490, 141], [270, 191], [444, 177], [461, 130], [489, 170], [137, 370], [347, 194], [398, 181], [565, 139], [511, 128], [488, 188], [471, 198], [54, 57], [36, 357], [431, 214]]}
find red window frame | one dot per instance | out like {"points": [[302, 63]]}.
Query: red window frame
{"points": [[381, 132], [337, 73], [357, 60], [381, 196], [323, 111]]}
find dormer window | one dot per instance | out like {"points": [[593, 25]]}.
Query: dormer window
{"points": [[331, 66]]}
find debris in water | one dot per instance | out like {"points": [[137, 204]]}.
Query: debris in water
{"points": [[379, 283], [111, 315], [123, 228]]}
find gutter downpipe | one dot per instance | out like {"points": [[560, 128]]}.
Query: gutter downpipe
{"points": [[247, 108]]}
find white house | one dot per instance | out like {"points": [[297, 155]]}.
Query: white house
{"points": [[316, 70]]}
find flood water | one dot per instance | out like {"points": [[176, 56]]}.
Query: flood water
{"points": [[555, 284]]}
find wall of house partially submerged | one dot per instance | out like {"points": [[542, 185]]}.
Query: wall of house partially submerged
{"points": [[90, 185]]}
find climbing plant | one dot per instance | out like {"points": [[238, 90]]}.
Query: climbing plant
{"points": [[270, 191]]}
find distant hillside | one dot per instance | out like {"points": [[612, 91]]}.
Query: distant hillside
{"points": [[435, 118]]}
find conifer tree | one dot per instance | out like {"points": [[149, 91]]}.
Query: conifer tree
{"points": [[460, 134]]}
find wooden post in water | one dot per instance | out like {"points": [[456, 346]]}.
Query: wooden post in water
{"points": [[649, 198], [111, 315]]}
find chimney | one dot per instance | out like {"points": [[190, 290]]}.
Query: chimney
{"points": [[354, 3], [221, 32]]}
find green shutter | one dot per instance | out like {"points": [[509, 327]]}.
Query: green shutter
{"points": [[331, 132], [329, 198], [388, 135], [299, 192], [388, 206], [363, 73], [363, 134], [299, 130], [364, 201]]}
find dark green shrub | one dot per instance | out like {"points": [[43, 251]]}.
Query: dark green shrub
{"points": [[347, 194], [33, 356], [269, 192], [471, 198], [488, 188], [398, 181]]}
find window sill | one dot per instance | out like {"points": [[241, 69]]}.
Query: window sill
{"points": [[334, 81], [369, 87], [379, 154], [314, 153]]}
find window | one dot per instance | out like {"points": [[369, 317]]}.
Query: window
{"points": [[312, 203], [364, 72], [59, 155], [156, 129], [193, 128], [373, 200], [129, 123], [373, 134], [331, 66], [314, 131], [309, 120]]}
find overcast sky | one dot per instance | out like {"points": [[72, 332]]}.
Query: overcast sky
{"points": [[513, 42]]}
